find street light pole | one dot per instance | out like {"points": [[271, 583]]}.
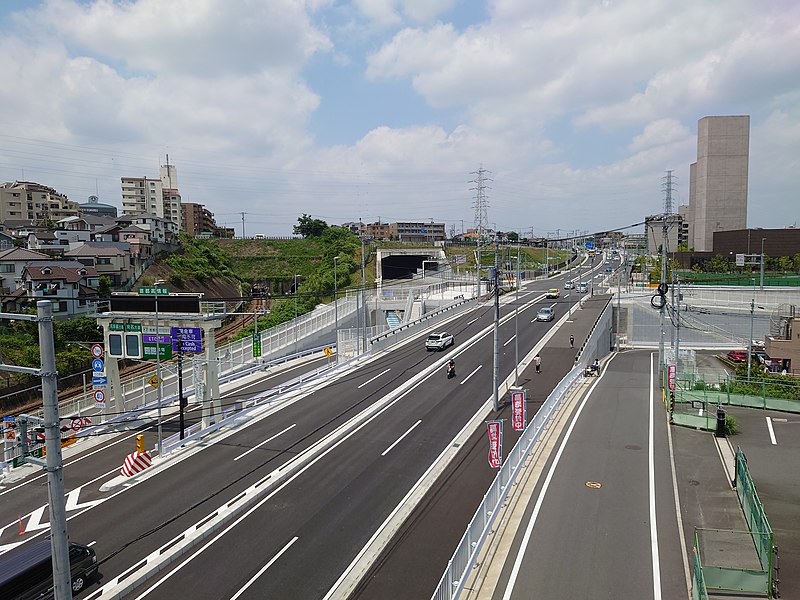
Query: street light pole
{"points": [[295, 313], [762, 264], [516, 328], [336, 303], [750, 339]]}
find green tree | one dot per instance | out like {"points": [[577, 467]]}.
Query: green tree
{"points": [[310, 227], [785, 264], [513, 236], [718, 264], [104, 286]]}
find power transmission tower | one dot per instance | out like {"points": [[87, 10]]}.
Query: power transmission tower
{"points": [[668, 185], [480, 201]]}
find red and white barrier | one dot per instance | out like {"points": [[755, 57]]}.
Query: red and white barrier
{"points": [[135, 463]]}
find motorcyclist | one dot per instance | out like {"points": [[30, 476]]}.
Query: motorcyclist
{"points": [[596, 366], [451, 368]]}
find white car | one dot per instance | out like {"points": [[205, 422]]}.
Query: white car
{"points": [[545, 314], [439, 341]]}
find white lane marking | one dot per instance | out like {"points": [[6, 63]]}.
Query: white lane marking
{"points": [[400, 439], [651, 480], [264, 442], [686, 573], [511, 339], [478, 368], [374, 378], [473, 321], [512, 579], [264, 568], [72, 501], [771, 432], [92, 543], [35, 520]]}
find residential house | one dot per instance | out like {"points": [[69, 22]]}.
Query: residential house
{"points": [[70, 285], [112, 259], [12, 263], [162, 231]]}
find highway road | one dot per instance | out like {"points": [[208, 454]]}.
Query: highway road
{"points": [[346, 475]]}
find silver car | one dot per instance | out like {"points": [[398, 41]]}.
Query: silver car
{"points": [[545, 314], [439, 341]]}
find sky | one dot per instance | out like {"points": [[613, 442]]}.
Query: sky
{"points": [[386, 110]]}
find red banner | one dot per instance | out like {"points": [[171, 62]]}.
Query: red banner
{"points": [[672, 372], [518, 414], [495, 429]]}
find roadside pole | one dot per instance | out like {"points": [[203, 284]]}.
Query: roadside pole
{"points": [[55, 474], [496, 361], [159, 391]]}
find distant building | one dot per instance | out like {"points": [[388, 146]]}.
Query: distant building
{"points": [[402, 231], [774, 242], [654, 230], [159, 197], [197, 219], [95, 208], [718, 180], [26, 200]]}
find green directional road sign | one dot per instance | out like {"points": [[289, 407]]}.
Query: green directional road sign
{"points": [[256, 345], [153, 291]]}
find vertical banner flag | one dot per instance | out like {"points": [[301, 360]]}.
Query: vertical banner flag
{"points": [[518, 415], [672, 372], [495, 429]]}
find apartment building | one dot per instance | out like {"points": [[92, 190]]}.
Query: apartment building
{"points": [[197, 219], [158, 197], [26, 200]]}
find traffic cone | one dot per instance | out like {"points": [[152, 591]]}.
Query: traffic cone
{"points": [[21, 528]]}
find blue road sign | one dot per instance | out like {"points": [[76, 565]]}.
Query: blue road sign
{"points": [[191, 346], [99, 380], [194, 334], [188, 339], [589, 245], [98, 365]]}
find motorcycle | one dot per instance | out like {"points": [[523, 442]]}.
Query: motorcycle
{"points": [[451, 371]]}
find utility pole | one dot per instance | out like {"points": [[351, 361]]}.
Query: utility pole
{"points": [[665, 222], [677, 327], [496, 361], [55, 474], [243, 214]]}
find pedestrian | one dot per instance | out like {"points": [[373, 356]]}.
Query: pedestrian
{"points": [[537, 361], [572, 341]]}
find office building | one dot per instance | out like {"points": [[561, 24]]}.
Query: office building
{"points": [[718, 180]]}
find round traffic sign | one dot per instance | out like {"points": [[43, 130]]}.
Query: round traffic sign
{"points": [[97, 351], [98, 365], [99, 396], [76, 424]]}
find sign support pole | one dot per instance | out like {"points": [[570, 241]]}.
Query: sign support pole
{"points": [[158, 374], [180, 385]]}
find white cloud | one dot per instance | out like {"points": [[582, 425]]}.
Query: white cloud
{"points": [[202, 38]]}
